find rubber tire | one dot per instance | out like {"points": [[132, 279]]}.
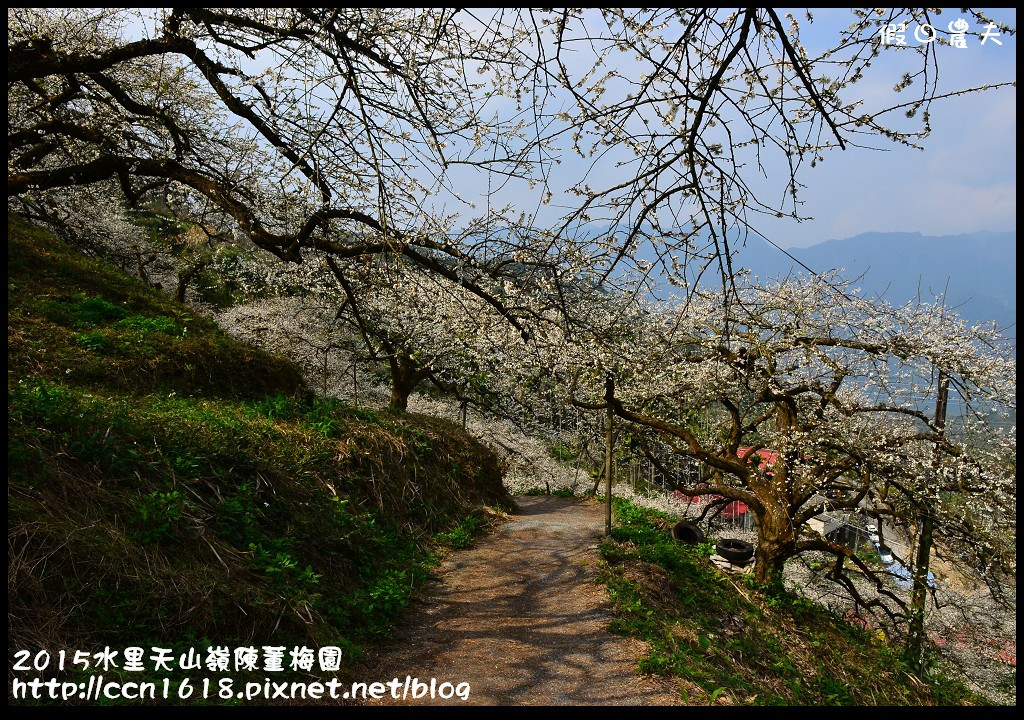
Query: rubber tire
{"points": [[735, 550], [687, 532]]}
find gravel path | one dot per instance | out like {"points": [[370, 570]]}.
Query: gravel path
{"points": [[521, 618]]}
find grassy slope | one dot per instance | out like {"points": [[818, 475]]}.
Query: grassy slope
{"points": [[170, 487], [731, 643]]}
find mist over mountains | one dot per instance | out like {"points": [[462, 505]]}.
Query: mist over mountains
{"points": [[981, 269]]}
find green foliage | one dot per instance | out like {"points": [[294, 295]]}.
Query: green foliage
{"points": [[375, 607], [49, 309], [96, 311], [869, 554], [94, 340], [461, 536], [213, 289], [366, 415], [43, 399], [285, 577], [327, 416], [562, 453], [421, 441], [158, 516], [76, 320], [706, 548], [159, 225], [149, 325], [237, 517]]}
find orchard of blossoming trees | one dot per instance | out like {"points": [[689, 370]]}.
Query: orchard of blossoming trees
{"points": [[839, 387], [339, 140], [384, 313]]}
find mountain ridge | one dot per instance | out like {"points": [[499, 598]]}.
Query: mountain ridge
{"points": [[980, 268]]}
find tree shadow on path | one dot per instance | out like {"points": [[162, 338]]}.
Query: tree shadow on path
{"points": [[521, 618]]}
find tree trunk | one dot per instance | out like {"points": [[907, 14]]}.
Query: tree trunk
{"points": [[916, 637], [776, 543], [399, 397], [405, 376], [776, 534], [184, 278]]}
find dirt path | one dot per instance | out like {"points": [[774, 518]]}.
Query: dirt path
{"points": [[521, 619]]}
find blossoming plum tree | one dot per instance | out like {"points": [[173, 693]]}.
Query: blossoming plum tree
{"points": [[379, 311], [839, 388]]}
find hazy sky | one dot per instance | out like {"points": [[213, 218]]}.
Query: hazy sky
{"points": [[964, 181]]}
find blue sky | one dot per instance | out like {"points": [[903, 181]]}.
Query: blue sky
{"points": [[964, 181]]}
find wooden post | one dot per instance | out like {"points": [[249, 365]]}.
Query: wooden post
{"points": [[327, 350], [609, 393], [919, 594]]}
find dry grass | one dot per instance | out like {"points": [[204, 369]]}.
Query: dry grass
{"points": [[178, 488]]}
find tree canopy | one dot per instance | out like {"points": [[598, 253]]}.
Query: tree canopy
{"points": [[352, 131], [838, 388]]}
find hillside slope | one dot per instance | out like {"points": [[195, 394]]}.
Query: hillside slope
{"points": [[170, 487]]}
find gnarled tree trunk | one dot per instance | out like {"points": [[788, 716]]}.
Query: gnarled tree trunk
{"points": [[776, 541], [406, 374]]}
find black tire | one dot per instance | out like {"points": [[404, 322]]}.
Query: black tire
{"points": [[687, 532], [735, 550]]}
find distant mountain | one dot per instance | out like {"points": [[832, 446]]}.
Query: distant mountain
{"points": [[981, 268]]}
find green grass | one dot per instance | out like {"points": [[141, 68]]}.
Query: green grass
{"points": [[80, 322], [463, 534], [170, 487], [562, 492], [729, 642]]}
